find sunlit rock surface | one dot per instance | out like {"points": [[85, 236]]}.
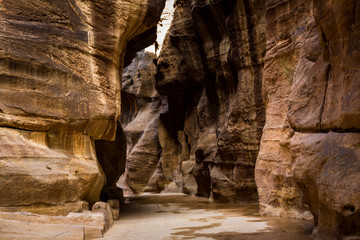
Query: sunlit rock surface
{"points": [[226, 66], [60, 69], [70, 56], [47, 170]]}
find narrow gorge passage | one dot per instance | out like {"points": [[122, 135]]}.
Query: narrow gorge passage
{"points": [[178, 216], [243, 101]]}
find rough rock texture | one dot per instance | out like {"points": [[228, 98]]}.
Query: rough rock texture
{"points": [[224, 66], [309, 84], [290, 27], [60, 70], [309, 155], [87, 225], [210, 70], [47, 169], [69, 55], [140, 118], [326, 167]]}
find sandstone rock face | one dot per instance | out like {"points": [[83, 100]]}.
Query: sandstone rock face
{"points": [[295, 28], [87, 225], [47, 169], [69, 55], [225, 67], [210, 70], [326, 167], [309, 154], [60, 71], [140, 118]]}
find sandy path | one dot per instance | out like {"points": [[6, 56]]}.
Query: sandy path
{"points": [[184, 217]]}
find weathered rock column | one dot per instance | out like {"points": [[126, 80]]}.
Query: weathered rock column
{"points": [[211, 70], [309, 155]]}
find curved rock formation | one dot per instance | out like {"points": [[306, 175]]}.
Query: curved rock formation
{"points": [[310, 93], [139, 118], [60, 67], [225, 67], [210, 69]]}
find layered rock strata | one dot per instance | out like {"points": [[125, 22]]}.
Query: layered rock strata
{"points": [[309, 155], [210, 68], [140, 120], [310, 94], [86, 225], [60, 71], [295, 35]]}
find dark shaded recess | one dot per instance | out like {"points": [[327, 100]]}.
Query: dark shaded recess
{"points": [[138, 43], [203, 15], [253, 44], [173, 119], [350, 221], [173, 88], [129, 108], [227, 6], [112, 158], [259, 103], [246, 193], [211, 94], [201, 173], [188, 76], [209, 82], [178, 106]]}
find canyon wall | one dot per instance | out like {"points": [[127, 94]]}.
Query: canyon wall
{"points": [[213, 69], [291, 29], [210, 69], [140, 119], [202, 136], [273, 83], [310, 154], [60, 71]]}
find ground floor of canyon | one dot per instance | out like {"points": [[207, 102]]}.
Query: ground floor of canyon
{"points": [[185, 217]]}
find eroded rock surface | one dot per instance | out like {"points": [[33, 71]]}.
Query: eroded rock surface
{"points": [[210, 69], [308, 84], [309, 155], [326, 167], [60, 69], [210, 122], [86, 225], [225, 67], [296, 36], [69, 55], [140, 119]]}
